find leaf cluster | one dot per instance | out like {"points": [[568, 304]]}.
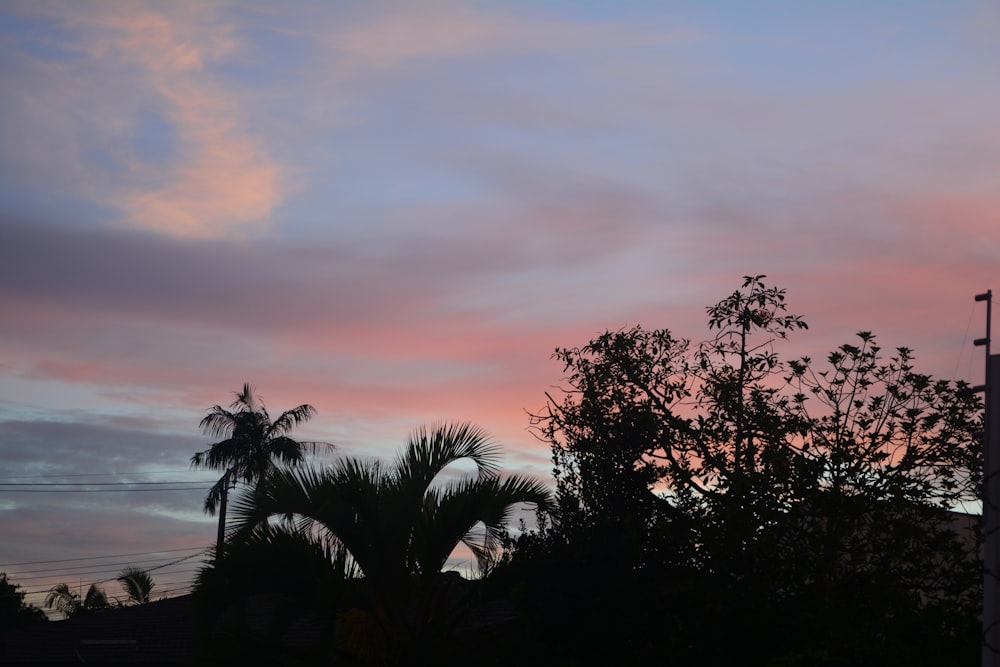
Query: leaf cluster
{"points": [[14, 611], [750, 487], [252, 443]]}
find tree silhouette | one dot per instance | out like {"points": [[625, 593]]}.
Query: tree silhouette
{"points": [[136, 583], [766, 494], [251, 445], [67, 601], [14, 612], [398, 523]]}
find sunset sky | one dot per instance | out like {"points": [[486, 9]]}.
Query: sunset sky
{"points": [[396, 211]]}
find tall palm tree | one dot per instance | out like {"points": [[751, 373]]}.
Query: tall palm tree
{"points": [[251, 445], [397, 524], [136, 583]]}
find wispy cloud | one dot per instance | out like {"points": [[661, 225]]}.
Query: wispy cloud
{"points": [[218, 177]]}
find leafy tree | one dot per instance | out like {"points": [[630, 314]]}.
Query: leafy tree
{"points": [[251, 445], [14, 612], [893, 452], [777, 487], [136, 583], [882, 431], [650, 426]]}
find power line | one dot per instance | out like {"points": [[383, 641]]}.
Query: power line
{"points": [[184, 488], [95, 483], [160, 567], [99, 474], [80, 568], [105, 580], [41, 588], [33, 580], [48, 589], [107, 566], [140, 553]]}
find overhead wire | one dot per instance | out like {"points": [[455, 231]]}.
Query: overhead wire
{"points": [[46, 590], [100, 474], [177, 574], [94, 483], [139, 553], [180, 488], [160, 567], [82, 569], [56, 577]]}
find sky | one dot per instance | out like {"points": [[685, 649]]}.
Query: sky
{"points": [[395, 212]]}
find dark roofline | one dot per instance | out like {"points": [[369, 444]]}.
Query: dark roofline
{"points": [[156, 632]]}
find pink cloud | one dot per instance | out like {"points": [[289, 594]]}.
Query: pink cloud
{"points": [[221, 178]]}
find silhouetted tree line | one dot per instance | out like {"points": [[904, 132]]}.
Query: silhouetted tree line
{"points": [[717, 505], [341, 564], [136, 583]]}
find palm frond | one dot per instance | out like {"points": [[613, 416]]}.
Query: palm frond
{"points": [[451, 514], [251, 444], [217, 422], [62, 599], [292, 418], [137, 584], [393, 521], [246, 400], [220, 456], [428, 452]]}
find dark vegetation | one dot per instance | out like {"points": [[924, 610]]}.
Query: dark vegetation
{"points": [[344, 562], [14, 612], [136, 583], [718, 506], [715, 505]]}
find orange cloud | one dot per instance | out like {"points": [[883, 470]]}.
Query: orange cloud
{"points": [[224, 181]]}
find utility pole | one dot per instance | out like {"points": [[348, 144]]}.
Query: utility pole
{"points": [[220, 541], [990, 495]]}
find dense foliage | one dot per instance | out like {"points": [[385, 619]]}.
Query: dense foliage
{"points": [[14, 611], [357, 549], [136, 583], [716, 503], [69, 603]]}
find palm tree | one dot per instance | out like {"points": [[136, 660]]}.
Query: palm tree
{"points": [[68, 602], [251, 444], [136, 583], [397, 525]]}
